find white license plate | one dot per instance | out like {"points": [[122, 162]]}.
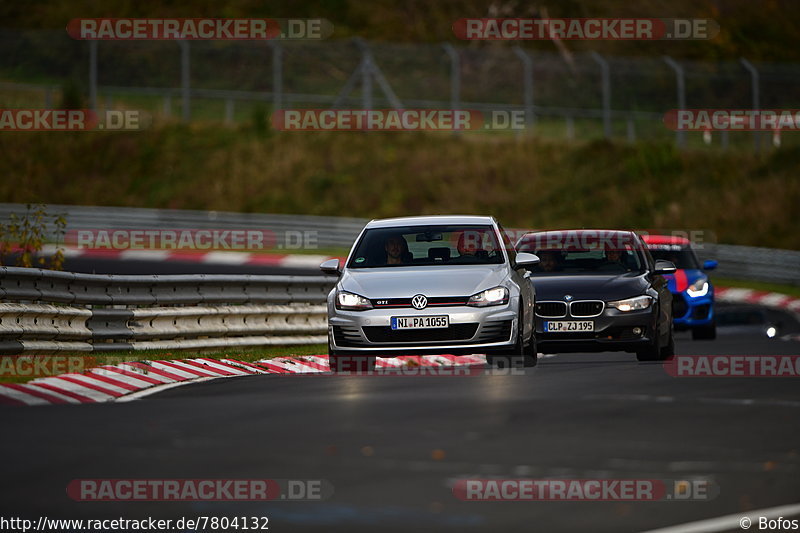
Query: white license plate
{"points": [[568, 326], [420, 322]]}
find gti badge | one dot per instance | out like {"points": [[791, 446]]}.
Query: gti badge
{"points": [[419, 302], [568, 298]]}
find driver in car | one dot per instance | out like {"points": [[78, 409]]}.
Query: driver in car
{"points": [[549, 261], [396, 250], [470, 247], [614, 260]]}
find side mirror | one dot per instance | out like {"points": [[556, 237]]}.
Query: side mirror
{"points": [[664, 267], [526, 260], [710, 264], [331, 266]]}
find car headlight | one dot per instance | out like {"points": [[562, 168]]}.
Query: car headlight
{"points": [[698, 288], [636, 303], [352, 302], [495, 296]]}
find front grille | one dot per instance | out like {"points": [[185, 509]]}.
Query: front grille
{"points": [[498, 331], [551, 309], [701, 312], [436, 301], [586, 308], [456, 332], [679, 306]]}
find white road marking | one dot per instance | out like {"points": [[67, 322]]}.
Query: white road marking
{"points": [[731, 521]]}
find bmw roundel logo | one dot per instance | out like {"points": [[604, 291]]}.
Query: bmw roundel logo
{"points": [[419, 302], [568, 297]]}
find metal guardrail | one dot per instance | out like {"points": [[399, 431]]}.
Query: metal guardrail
{"points": [[45, 310], [737, 262], [330, 232], [754, 263]]}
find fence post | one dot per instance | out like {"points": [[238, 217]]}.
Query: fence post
{"points": [[455, 75], [93, 75], [185, 87], [168, 105], [606, 86], [277, 76], [680, 135], [570, 127], [527, 85], [229, 111], [631, 130], [366, 75], [754, 84]]}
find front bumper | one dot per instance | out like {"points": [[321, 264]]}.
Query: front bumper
{"points": [[688, 312], [471, 330], [613, 331]]}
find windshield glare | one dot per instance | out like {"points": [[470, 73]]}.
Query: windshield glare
{"points": [[427, 245]]}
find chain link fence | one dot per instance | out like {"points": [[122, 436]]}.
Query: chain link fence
{"points": [[575, 96]]}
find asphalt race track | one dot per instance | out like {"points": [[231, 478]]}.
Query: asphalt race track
{"points": [[392, 446]]}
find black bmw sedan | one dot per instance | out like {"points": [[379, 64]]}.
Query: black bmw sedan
{"points": [[600, 290]]}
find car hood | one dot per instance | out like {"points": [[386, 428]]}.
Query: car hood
{"points": [[591, 287], [404, 282]]}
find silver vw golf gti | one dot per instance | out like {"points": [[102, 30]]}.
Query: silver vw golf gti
{"points": [[427, 285]]}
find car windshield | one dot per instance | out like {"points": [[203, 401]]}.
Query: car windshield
{"points": [[681, 255], [581, 260], [427, 245]]}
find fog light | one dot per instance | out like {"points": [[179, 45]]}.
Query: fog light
{"points": [[637, 331]]}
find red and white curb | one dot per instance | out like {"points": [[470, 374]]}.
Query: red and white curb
{"points": [[131, 380], [188, 256], [749, 296]]}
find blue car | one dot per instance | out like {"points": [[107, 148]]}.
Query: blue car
{"points": [[692, 291]]}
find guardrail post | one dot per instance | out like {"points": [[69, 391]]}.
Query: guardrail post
{"points": [[185, 83], [93, 75], [606, 88], [527, 86], [277, 76], [570, 127], [754, 87], [680, 136]]}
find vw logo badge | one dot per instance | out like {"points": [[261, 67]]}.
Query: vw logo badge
{"points": [[419, 302], [568, 297]]}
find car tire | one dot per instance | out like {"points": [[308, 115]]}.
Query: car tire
{"points": [[705, 332], [668, 350], [652, 352]]}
